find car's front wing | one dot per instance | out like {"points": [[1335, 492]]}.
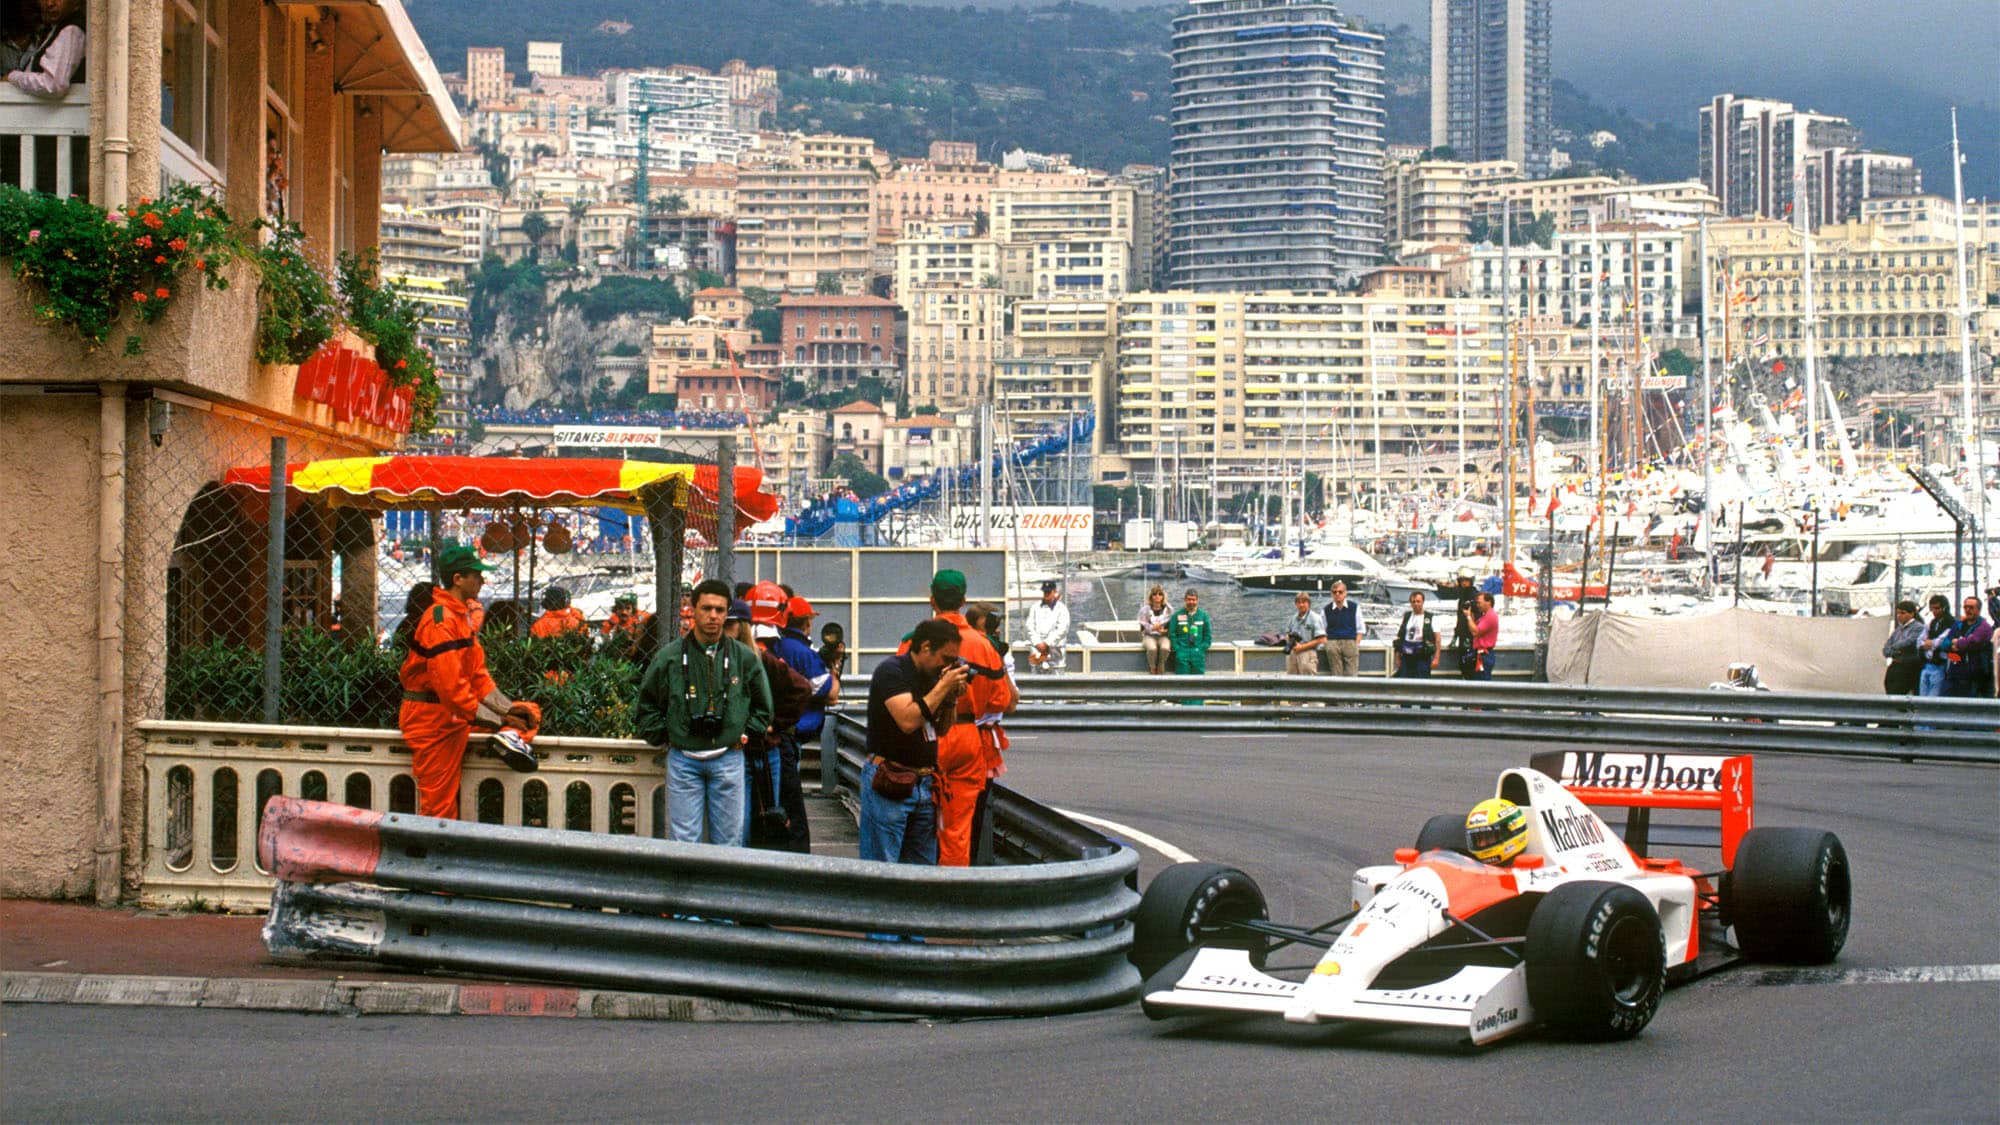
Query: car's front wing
{"points": [[1485, 1002]]}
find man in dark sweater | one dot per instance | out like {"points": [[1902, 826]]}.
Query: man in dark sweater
{"points": [[911, 699], [1344, 630]]}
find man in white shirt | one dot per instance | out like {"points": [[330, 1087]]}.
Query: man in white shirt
{"points": [[1048, 630]]}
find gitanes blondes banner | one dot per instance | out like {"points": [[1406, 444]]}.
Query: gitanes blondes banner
{"points": [[1031, 529]]}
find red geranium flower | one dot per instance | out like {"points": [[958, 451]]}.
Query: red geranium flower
{"points": [[159, 259], [402, 363], [178, 244], [153, 220], [139, 297], [144, 240], [162, 293]]}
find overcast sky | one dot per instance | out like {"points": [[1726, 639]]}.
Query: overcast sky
{"points": [[1947, 47]]}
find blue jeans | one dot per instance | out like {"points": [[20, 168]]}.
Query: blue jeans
{"points": [[902, 831], [1931, 680], [706, 799]]}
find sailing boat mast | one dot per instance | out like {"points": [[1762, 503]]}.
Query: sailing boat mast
{"points": [[1975, 444], [1801, 207], [1507, 363], [1707, 429]]}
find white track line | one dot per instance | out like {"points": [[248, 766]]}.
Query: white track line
{"points": [[1172, 853], [1233, 737], [1914, 974]]}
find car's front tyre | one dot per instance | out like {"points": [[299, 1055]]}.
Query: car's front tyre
{"points": [[1184, 900], [1597, 964]]}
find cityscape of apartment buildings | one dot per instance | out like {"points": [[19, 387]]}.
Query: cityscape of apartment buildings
{"points": [[1290, 279]]}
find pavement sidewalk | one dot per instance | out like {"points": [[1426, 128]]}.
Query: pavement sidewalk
{"points": [[74, 953], [70, 953]]}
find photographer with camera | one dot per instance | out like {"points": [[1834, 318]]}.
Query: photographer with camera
{"points": [[705, 698], [912, 700]]}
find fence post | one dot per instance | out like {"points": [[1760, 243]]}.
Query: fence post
{"points": [[725, 509], [829, 752], [666, 519], [274, 581]]}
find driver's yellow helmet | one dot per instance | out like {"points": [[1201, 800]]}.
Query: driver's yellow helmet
{"points": [[1496, 830]]}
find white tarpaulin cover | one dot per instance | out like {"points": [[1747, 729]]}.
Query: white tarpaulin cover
{"points": [[1791, 653]]}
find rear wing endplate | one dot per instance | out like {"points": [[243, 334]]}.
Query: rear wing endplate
{"points": [[1642, 781]]}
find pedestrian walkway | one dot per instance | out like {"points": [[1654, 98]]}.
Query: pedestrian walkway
{"points": [[75, 953]]}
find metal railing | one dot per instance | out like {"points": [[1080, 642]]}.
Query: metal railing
{"points": [[1867, 726], [45, 142], [207, 785], [660, 915]]}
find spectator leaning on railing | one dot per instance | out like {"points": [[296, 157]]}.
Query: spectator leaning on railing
{"points": [[1153, 618], [1906, 659]]}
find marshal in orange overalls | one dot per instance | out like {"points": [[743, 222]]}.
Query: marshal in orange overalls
{"points": [[443, 678], [556, 622]]}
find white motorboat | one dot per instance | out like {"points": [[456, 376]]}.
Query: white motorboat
{"points": [[1228, 561], [1317, 572]]}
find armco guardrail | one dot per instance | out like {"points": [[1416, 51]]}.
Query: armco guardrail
{"points": [[619, 911], [1902, 727]]}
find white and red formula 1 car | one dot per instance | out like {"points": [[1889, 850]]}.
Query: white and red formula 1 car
{"points": [[1580, 934]]}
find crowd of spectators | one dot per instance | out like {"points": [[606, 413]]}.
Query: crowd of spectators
{"points": [[663, 419], [1944, 655]]}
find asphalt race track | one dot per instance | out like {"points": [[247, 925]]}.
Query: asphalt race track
{"points": [[1871, 1041]]}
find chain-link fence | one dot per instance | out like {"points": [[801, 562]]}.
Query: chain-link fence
{"points": [[568, 616]]}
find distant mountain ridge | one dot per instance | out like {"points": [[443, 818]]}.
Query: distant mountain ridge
{"points": [[1103, 74]]}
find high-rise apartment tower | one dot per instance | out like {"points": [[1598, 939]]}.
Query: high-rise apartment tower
{"points": [[1490, 82], [1276, 176]]}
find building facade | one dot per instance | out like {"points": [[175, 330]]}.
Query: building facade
{"points": [[1426, 202], [1491, 88], [944, 252], [798, 227], [954, 334], [1275, 178], [1378, 387], [115, 458], [829, 344]]}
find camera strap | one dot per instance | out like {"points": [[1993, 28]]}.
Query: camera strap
{"points": [[711, 681]]}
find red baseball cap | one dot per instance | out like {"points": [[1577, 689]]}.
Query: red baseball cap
{"points": [[800, 607], [767, 604]]}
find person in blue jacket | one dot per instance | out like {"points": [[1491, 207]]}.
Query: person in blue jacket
{"points": [[792, 646]]}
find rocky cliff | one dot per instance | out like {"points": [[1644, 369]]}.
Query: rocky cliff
{"points": [[556, 362]]}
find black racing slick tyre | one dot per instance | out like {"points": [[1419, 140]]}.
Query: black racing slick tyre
{"points": [[1184, 899], [1789, 895], [1597, 964], [1446, 830]]}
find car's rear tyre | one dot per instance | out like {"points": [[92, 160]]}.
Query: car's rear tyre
{"points": [[1597, 964], [1446, 830], [1790, 895], [1187, 897]]}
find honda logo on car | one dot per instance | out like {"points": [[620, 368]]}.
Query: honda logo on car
{"points": [[1571, 829], [1614, 770]]}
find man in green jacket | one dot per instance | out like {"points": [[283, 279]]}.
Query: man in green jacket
{"points": [[1190, 634], [704, 698]]}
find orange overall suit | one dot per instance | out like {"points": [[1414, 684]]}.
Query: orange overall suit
{"points": [[556, 622], [966, 758], [443, 678]]}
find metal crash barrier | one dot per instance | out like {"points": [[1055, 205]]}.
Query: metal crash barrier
{"points": [[1822, 723], [663, 916]]}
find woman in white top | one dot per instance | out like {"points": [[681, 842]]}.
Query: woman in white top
{"points": [[1153, 631]]}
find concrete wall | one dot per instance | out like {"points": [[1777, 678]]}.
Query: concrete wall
{"points": [[48, 581]]}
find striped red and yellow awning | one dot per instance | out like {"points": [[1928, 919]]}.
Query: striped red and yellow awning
{"points": [[383, 483]]}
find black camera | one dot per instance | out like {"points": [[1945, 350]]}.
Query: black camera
{"points": [[706, 726]]}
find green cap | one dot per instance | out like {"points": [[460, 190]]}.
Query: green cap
{"points": [[952, 580], [458, 559]]}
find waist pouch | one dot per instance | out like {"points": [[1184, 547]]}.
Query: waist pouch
{"points": [[895, 781]]}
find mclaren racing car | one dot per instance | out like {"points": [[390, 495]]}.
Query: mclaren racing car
{"points": [[1579, 932]]}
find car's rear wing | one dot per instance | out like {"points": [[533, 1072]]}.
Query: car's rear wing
{"points": [[1642, 781]]}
